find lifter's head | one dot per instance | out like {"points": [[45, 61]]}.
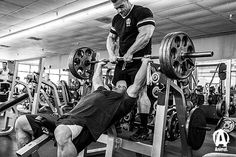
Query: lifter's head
{"points": [[120, 87]]}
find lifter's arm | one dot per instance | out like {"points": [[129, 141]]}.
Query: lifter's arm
{"points": [[97, 77], [140, 79]]}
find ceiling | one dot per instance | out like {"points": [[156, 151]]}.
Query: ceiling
{"points": [[35, 28]]}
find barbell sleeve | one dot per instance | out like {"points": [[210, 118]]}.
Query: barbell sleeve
{"points": [[94, 62], [198, 54]]}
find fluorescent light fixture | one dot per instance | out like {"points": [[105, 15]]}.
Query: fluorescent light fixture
{"points": [[80, 16]]}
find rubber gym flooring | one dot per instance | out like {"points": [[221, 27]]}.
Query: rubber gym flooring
{"points": [[8, 147]]}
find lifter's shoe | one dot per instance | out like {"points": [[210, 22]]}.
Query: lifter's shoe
{"points": [[140, 135]]}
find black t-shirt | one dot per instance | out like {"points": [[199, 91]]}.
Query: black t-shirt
{"points": [[98, 110], [127, 29]]}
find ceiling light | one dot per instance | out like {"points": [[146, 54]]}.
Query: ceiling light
{"points": [[6, 46], [34, 38], [230, 16], [80, 16]]}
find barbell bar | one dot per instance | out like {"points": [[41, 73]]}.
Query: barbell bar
{"points": [[121, 59], [184, 55]]}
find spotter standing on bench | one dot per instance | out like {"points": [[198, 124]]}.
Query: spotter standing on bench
{"points": [[133, 27], [93, 114]]}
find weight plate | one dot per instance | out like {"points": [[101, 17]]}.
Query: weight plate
{"points": [[231, 109], [155, 91], [171, 110], [173, 127], [195, 125], [155, 77], [226, 124], [79, 65], [173, 65], [127, 117]]}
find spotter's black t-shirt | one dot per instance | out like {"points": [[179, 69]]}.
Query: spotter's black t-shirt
{"points": [[127, 30]]}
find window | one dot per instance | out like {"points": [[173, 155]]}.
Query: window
{"points": [[54, 71], [56, 75], [24, 67], [34, 68], [205, 75], [54, 78], [22, 76], [65, 78], [63, 72]]}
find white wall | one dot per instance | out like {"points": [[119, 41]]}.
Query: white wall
{"points": [[224, 47]]}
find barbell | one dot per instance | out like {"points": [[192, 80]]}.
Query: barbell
{"points": [[176, 54], [183, 55], [122, 59]]}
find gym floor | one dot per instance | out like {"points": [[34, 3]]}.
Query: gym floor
{"points": [[8, 147]]}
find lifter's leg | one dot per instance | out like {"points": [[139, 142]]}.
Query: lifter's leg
{"points": [[63, 135], [23, 130]]}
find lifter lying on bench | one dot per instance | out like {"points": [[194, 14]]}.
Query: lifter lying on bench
{"points": [[93, 114]]}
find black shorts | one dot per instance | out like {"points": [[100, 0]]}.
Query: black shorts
{"points": [[128, 74], [80, 142]]}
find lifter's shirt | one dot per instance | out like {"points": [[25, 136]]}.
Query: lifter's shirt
{"points": [[127, 30], [98, 110]]}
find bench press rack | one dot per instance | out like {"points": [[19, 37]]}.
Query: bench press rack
{"points": [[157, 148], [170, 63], [154, 150]]}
